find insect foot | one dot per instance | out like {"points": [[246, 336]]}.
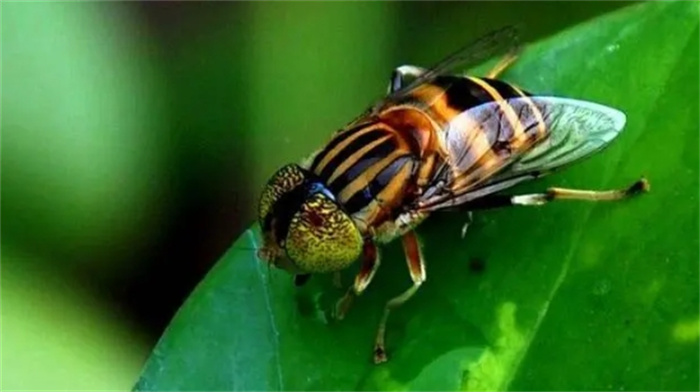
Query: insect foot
{"points": [[379, 355], [641, 186]]}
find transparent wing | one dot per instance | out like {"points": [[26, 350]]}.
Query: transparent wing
{"points": [[473, 53], [496, 145], [577, 129], [467, 56]]}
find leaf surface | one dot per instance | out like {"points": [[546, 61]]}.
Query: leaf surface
{"points": [[571, 296]]}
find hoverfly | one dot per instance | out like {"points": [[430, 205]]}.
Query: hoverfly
{"points": [[438, 139]]}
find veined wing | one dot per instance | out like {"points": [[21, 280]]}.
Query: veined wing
{"points": [[498, 144], [476, 52], [472, 54]]}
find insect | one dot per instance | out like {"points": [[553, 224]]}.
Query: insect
{"points": [[438, 139]]}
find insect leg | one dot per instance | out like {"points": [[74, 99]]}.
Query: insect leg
{"points": [[416, 267], [504, 63], [537, 199], [337, 280], [370, 264], [400, 76], [638, 187]]}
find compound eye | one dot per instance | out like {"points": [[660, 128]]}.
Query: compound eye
{"points": [[322, 237], [283, 181]]}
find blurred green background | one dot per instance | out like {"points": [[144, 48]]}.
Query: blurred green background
{"points": [[136, 136]]}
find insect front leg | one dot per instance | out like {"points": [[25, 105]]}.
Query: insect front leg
{"points": [[538, 199], [402, 76], [416, 267], [370, 264], [504, 63], [337, 280]]}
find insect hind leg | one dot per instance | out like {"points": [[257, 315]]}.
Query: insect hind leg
{"points": [[402, 76], [640, 186], [538, 199]]}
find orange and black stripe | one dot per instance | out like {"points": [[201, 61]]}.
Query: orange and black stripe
{"points": [[376, 160], [447, 96], [359, 164], [487, 147]]}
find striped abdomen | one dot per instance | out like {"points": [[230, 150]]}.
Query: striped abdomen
{"points": [[448, 96]]}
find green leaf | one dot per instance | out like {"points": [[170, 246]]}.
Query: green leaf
{"points": [[573, 296]]}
